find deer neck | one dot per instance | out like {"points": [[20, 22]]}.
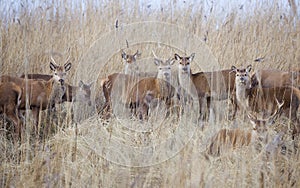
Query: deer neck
{"points": [[57, 91], [131, 69], [242, 94], [184, 77]]}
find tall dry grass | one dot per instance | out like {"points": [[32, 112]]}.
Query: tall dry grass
{"points": [[96, 153]]}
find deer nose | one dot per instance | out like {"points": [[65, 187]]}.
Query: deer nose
{"points": [[61, 81]]}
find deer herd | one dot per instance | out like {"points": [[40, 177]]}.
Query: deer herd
{"points": [[268, 93]]}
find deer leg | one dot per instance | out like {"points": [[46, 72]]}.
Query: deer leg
{"points": [[15, 120], [36, 113]]}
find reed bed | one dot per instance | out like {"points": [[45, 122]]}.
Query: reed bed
{"points": [[81, 149]]}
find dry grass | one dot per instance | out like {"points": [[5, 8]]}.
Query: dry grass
{"points": [[125, 152]]}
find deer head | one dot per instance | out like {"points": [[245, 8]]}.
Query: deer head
{"points": [[60, 72], [184, 63]]}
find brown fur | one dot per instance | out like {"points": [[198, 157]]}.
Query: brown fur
{"points": [[264, 100], [41, 94], [226, 139], [120, 83], [10, 96], [71, 91], [216, 85], [273, 78], [148, 89]]}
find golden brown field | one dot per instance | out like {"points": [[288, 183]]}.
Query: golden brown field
{"points": [[82, 150]]}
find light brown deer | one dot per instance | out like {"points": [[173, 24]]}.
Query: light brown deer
{"points": [[80, 93], [149, 89], [275, 78], [41, 94], [263, 100], [131, 66], [226, 139], [120, 84], [216, 85], [10, 99]]}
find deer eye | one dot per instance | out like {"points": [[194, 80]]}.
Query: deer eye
{"points": [[55, 74]]}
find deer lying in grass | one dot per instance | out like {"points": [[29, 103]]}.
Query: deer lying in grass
{"points": [[226, 139], [41, 94], [149, 89], [263, 100], [10, 99], [120, 84], [217, 85], [274, 78], [80, 93]]}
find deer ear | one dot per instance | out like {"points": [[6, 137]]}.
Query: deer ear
{"points": [[67, 66], [177, 57], [233, 68], [123, 55], [80, 84], [157, 61], [172, 61], [137, 54], [191, 57], [53, 66], [249, 68]]}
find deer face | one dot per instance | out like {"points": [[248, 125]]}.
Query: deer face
{"points": [[83, 93], [261, 125], [164, 68], [130, 61], [184, 63], [59, 72], [242, 76]]}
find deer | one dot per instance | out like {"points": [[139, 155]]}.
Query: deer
{"points": [[274, 78], [121, 82], [263, 100], [206, 86], [226, 139], [148, 89], [80, 93], [10, 99], [131, 66], [41, 94]]}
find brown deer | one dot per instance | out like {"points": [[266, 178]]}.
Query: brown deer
{"points": [[275, 78], [131, 66], [80, 93], [226, 139], [41, 94], [263, 100], [149, 89], [217, 85], [10, 99], [120, 84]]}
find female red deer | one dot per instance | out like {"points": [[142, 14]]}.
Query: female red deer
{"points": [[217, 85], [263, 100], [10, 99], [149, 89], [41, 94], [226, 139]]}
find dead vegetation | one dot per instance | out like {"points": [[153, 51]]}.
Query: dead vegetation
{"points": [[162, 152]]}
